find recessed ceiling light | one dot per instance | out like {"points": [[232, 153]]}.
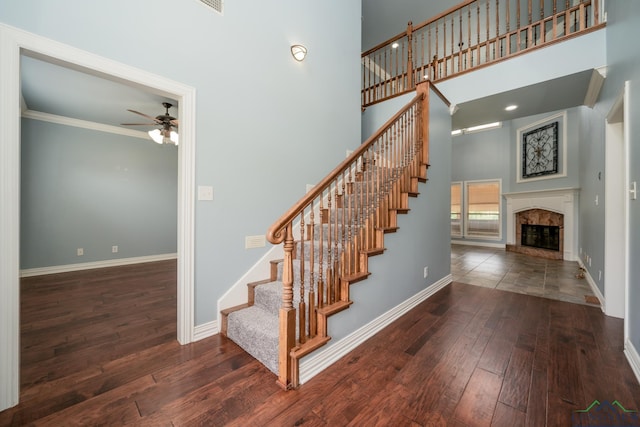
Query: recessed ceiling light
{"points": [[395, 45], [511, 107]]}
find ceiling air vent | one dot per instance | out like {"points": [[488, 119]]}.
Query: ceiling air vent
{"points": [[214, 4]]}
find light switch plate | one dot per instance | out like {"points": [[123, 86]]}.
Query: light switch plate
{"points": [[254, 242], [205, 192]]}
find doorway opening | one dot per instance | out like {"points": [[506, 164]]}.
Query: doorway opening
{"points": [[616, 261], [13, 44]]}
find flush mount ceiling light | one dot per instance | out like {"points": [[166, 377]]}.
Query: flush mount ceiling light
{"points": [[484, 127], [395, 45], [511, 107], [478, 128], [299, 52]]}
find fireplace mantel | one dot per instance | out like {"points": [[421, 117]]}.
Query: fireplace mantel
{"points": [[563, 201]]}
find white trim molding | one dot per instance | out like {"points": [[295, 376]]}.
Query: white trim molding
{"points": [[41, 271], [594, 286], [9, 218], [474, 243], [13, 43], [633, 357], [84, 124], [321, 360], [205, 330]]}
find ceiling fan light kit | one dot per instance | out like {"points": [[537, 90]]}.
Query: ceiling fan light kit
{"points": [[164, 135]]}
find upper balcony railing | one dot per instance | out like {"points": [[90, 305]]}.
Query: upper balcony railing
{"points": [[473, 34]]}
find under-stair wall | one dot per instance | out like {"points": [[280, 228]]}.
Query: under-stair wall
{"points": [[423, 239]]}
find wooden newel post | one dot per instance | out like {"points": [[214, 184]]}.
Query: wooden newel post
{"points": [[287, 314], [423, 88], [410, 73]]}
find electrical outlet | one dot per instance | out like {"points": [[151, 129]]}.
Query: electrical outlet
{"points": [[114, 249], [426, 272], [80, 251]]}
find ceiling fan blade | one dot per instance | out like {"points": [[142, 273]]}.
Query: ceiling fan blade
{"points": [[138, 124], [144, 115], [174, 122]]}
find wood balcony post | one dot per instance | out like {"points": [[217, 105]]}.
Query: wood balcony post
{"points": [[410, 73], [423, 88]]}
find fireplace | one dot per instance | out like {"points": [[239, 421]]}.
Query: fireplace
{"points": [[539, 232], [541, 236], [551, 208]]}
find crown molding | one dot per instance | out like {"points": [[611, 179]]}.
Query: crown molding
{"points": [[85, 124]]}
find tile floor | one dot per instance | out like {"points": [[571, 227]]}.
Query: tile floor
{"points": [[509, 271]]}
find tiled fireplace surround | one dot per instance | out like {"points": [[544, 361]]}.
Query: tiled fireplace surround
{"points": [[549, 207]]}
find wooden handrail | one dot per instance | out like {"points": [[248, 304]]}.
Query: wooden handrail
{"points": [[275, 234], [340, 222], [419, 26]]}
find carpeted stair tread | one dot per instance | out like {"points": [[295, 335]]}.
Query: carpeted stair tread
{"points": [[256, 331]]}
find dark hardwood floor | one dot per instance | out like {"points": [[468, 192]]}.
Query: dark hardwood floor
{"points": [[99, 348]]}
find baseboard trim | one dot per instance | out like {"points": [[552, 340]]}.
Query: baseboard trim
{"points": [[205, 330], [483, 244], [633, 357], [30, 272], [594, 287], [313, 365]]}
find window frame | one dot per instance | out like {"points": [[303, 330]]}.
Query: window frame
{"points": [[461, 219], [465, 234]]}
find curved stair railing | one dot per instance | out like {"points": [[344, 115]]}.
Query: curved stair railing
{"points": [[329, 234]]}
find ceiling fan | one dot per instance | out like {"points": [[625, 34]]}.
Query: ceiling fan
{"points": [[166, 133]]}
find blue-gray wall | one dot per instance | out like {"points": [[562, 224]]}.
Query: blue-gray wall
{"points": [[592, 181], [383, 19], [260, 115], [86, 189], [422, 239]]}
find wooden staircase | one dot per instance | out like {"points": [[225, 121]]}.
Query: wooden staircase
{"points": [[328, 237]]}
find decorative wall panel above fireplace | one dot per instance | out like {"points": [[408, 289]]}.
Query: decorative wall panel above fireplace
{"points": [[542, 149]]}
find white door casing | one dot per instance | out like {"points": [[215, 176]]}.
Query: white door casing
{"points": [[13, 42]]}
